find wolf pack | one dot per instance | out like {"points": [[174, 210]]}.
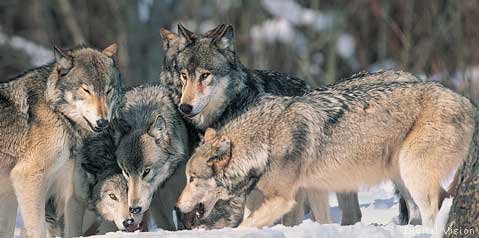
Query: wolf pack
{"points": [[214, 144]]}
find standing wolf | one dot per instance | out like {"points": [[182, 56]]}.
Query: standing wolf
{"points": [[229, 213], [154, 144], [44, 114], [403, 131]]}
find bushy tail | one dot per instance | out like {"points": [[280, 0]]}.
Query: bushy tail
{"points": [[473, 150]]}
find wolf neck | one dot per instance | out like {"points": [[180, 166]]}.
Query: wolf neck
{"points": [[245, 94], [170, 81]]}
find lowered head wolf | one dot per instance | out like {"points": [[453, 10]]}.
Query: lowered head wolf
{"points": [[107, 191], [228, 213], [153, 145], [44, 113], [403, 131]]}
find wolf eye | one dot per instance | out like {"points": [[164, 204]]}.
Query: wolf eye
{"points": [[183, 76], [192, 179], [113, 197], [146, 172], [86, 90], [204, 76], [109, 91]]}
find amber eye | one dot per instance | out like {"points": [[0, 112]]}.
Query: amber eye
{"points": [[113, 197], [146, 172], [204, 76]]}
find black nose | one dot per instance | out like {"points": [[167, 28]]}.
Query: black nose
{"points": [[128, 222], [135, 210], [102, 123], [186, 108]]}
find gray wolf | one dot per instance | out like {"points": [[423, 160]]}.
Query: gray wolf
{"points": [[402, 131], [229, 209], [153, 145], [44, 114]]}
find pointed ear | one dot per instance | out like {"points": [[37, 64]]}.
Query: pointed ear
{"points": [[157, 127], [63, 59], [223, 146], [225, 39], [213, 33], [168, 38], [210, 134], [110, 51], [188, 35]]}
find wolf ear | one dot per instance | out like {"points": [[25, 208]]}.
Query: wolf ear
{"points": [[63, 59], [224, 38], [188, 35], [157, 127], [168, 38], [210, 134], [110, 51], [213, 33], [223, 146]]}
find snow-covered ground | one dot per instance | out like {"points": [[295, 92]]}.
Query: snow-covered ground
{"points": [[379, 207]]}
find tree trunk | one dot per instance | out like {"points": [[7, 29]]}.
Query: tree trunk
{"points": [[464, 215]]}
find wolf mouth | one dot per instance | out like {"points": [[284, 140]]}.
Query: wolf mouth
{"points": [[94, 129], [199, 211], [200, 111], [133, 228]]}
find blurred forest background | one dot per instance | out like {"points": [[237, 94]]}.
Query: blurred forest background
{"points": [[321, 41]]}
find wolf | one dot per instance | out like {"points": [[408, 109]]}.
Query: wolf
{"points": [[402, 131], [153, 145], [227, 213], [44, 114]]}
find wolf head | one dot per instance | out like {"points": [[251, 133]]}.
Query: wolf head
{"points": [[204, 168], [153, 145], [108, 190], [85, 86], [210, 72], [111, 202]]}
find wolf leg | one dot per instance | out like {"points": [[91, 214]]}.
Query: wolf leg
{"points": [[349, 205], [253, 202], [319, 203], [423, 187], [413, 210], [30, 190], [271, 210], [295, 216], [74, 213], [8, 208]]}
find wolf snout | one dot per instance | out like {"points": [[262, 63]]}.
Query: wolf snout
{"points": [[130, 225], [128, 222], [185, 109], [102, 123], [135, 210]]}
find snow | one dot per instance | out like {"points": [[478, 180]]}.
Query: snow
{"points": [[297, 15], [38, 54], [378, 204]]}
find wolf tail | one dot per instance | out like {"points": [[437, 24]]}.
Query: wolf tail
{"points": [[473, 152]]}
